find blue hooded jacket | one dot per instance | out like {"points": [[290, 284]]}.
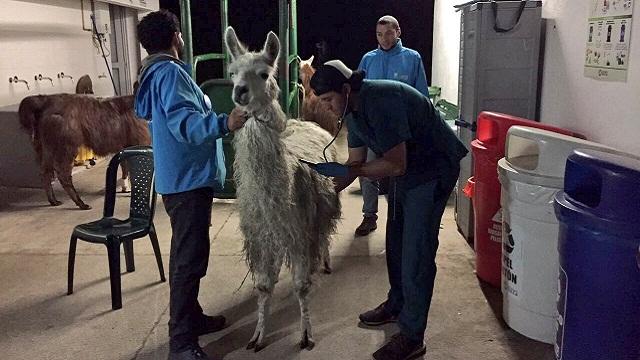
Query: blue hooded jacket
{"points": [[398, 63], [185, 132]]}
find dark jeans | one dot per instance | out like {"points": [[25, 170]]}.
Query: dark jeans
{"points": [[189, 213], [413, 224]]}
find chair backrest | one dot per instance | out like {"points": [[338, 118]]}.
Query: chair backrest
{"points": [[448, 110], [139, 162]]}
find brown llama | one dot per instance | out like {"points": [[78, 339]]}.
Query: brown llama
{"points": [[84, 85], [59, 124], [313, 109]]}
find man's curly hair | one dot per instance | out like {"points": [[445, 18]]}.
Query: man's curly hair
{"points": [[156, 30]]}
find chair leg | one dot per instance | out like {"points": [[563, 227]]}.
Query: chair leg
{"points": [[156, 250], [113, 252], [128, 255], [71, 266]]}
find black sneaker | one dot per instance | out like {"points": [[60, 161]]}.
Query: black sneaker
{"points": [[210, 324], [378, 316], [193, 353], [400, 347], [369, 223]]}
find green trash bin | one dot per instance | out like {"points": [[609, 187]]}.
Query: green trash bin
{"points": [[220, 91]]}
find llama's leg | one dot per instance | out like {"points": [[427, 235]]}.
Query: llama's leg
{"points": [[63, 170], [302, 284], [46, 176], [265, 283], [125, 183], [326, 260]]}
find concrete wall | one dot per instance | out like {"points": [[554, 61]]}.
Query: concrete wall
{"points": [[607, 112], [446, 48]]}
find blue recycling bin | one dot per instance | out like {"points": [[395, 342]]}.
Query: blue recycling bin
{"points": [[599, 246]]}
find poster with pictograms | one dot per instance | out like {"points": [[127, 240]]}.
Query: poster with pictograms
{"points": [[608, 40]]}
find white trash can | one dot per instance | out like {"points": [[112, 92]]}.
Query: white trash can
{"points": [[531, 173]]}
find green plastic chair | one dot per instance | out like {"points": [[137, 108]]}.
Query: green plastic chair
{"points": [[448, 111], [113, 232], [434, 93]]}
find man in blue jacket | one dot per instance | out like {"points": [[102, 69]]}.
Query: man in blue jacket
{"points": [[390, 61], [189, 165]]}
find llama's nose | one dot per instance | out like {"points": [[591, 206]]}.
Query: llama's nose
{"points": [[241, 90], [240, 94]]}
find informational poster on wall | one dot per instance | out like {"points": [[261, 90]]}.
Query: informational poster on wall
{"points": [[608, 39]]}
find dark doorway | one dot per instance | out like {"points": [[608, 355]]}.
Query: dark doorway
{"points": [[347, 27]]}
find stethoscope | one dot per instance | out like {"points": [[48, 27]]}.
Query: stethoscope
{"points": [[340, 121]]}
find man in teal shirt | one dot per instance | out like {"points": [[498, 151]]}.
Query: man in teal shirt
{"points": [[421, 154], [189, 165], [390, 61]]}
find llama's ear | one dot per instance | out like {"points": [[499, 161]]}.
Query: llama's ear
{"points": [[310, 61], [233, 45], [271, 48]]}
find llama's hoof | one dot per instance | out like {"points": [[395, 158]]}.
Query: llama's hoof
{"points": [[125, 185], [258, 347], [254, 342], [255, 345], [327, 269], [84, 207], [307, 342], [55, 203]]}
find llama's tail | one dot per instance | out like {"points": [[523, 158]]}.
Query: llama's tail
{"points": [[29, 112]]}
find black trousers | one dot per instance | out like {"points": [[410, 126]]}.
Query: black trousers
{"points": [[189, 213]]}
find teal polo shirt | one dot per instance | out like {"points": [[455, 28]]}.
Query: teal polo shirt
{"points": [[389, 113]]}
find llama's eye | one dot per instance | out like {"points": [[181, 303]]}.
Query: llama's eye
{"points": [[232, 75], [264, 76]]}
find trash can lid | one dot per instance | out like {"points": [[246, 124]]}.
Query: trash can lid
{"points": [[508, 172], [605, 185], [541, 152], [492, 129]]}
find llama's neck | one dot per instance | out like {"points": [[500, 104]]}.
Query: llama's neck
{"points": [[261, 157]]}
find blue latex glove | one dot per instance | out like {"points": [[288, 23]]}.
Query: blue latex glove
{"points": [[332, 169]]}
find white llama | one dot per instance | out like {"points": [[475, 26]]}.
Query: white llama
{"points": [[287, 211]]}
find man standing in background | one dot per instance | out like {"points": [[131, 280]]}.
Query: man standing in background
{"points": [[390, 61]]}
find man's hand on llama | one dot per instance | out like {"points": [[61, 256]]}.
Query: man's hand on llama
{"points": [[236, 120]]}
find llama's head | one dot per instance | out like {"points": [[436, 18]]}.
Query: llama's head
{"points": [[306, 72], [253, 73]]}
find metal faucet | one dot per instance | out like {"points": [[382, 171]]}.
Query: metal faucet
{"points": [[39, 77], [16, 80], [61, 75]]}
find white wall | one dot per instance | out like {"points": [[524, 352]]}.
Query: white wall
{"points": [[446, 48], [607, 112], [133, 44], [45, 38], [153, 4]]}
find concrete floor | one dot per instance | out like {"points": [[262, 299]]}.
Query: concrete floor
{"points": [[39, 321]]}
